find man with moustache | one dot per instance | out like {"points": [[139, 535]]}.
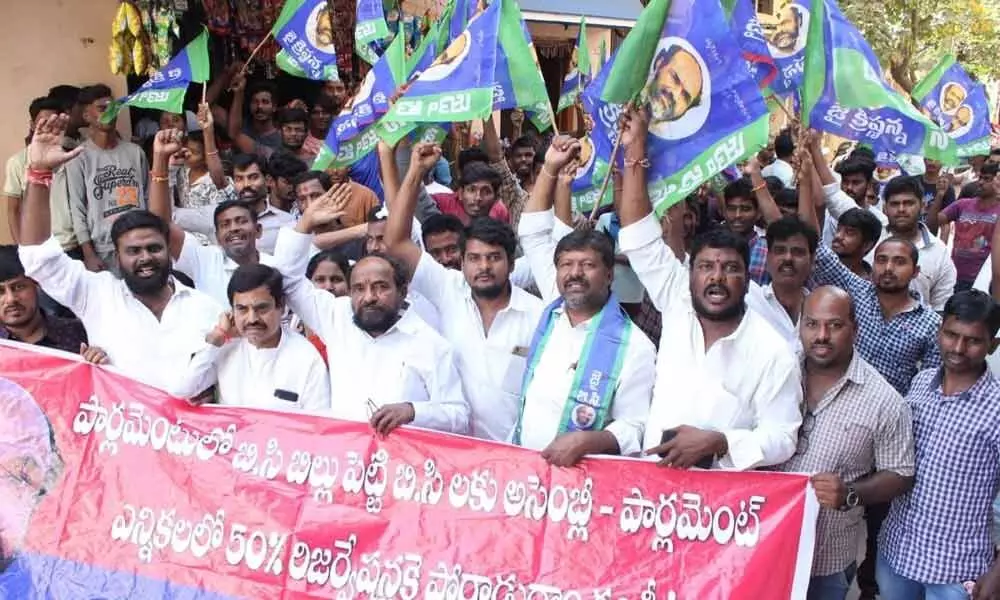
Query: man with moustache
{"points": [[263, 104], [21, 317], [254, 360], [728, 387], [856, 436], [936, 539], [489, 319], [169, 320], [391, 368], [589, 369], [252, 181], [236, 231]]}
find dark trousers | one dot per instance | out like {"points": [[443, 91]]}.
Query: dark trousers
{"points": [[874, 515]]}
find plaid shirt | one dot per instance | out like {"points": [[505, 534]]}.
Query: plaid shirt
{"points": [[511, 193], [939, 532], [758, 259], [859, 426], [899, 347]]}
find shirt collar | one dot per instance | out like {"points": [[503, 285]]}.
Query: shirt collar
{"points": [[520, 300], [180, 290], [985, 387]]}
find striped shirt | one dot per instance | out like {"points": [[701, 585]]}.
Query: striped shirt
{"points": [[939, 532], [898, 348], [860, 425]]}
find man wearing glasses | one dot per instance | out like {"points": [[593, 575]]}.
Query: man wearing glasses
{"points": [[30, 467], [856, 436]]}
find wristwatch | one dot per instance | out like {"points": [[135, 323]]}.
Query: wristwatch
{"points": [[853, 499]]}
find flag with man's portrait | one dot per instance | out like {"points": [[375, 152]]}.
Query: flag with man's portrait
{"points": [[845, 93], [960, 105], [682, 62], [304, 30], [752, 41]]}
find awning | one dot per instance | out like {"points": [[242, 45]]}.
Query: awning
{"points": [[602, 13]]}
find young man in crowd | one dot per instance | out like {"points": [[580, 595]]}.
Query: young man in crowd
{"points": [[975, 219], [282, 171], [728, 388], [521, 161], [488, 317], [784, 150], [856, 175], [858, 230], [391, 368], [937, 187], [252, 359], [110, 178], [14, 184], [742, 213], [856, 436], [262, 128], [937, 538], [320, 118], [253, 185], [169, 319]]}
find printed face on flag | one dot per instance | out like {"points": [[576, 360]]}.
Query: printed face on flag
{"points": [[788, 32], [587, 155], [449, 60], [319, 28], [952, 97], [678, 90]]}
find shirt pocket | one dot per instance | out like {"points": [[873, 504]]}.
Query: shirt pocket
{"points": [[856, 447], [513, 372]]}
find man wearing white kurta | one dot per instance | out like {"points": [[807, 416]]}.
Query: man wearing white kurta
{"points": [[728, 387], [386, 365], [590, 370], [490, 321], [254, 360]]}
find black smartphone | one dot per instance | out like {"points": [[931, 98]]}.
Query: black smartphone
{"points": [[705, 463]]}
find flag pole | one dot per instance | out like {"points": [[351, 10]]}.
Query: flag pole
{"points": [[607, 178], [254, 53], [204, 91]]}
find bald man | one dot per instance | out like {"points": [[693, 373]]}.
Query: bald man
{"points": [[29, 467], [854, 424]]}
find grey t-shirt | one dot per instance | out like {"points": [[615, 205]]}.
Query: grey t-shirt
{"points": [[102, 185]]}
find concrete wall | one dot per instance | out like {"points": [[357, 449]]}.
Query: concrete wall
{"points": [[45, 43]]}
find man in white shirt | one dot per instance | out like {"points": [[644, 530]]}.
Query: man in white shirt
{"points": [[387, 366], [253, 359], [148, 323], [490, 321], [590, 369], [728, 386], [237, 230], [856, 174], [784, 148]]}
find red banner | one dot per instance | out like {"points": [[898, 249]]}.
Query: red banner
{"points": [[224, 502]]}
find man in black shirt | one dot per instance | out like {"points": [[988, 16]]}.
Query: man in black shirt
{"points": [[22, 320]]}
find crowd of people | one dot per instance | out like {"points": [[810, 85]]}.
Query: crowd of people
{"points": [[799, 317]]}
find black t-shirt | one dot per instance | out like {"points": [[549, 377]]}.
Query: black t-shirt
{"points": [[930, 190]]}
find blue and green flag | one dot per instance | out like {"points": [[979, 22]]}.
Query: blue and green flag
{"points": [[359, 114], [596, 148], [579, 70], [519, 82], [958, 104], [304, 30], [458, 85], [706, 111], [370, 29], [166, 88], [752, 42], [785, 38], [844, 93]]}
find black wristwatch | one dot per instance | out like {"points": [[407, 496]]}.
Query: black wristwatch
{"points": [[853, 500]]}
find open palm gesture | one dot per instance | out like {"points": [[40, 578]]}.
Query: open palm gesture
{"points": [[45, 152]]}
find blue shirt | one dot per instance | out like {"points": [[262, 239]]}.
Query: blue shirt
{"points": [[940, 531]]}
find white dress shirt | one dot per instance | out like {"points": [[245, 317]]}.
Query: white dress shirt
{"points": [[762, 299], [549, 390], [210, 268], [491, 364], [271, 221], [747, 385], [782, 170], [409, 363], [935, 282], [289, 377], [153, 351]]}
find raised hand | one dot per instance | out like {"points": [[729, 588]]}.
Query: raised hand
{"points": [[168, 142], [562, 150], [425, 156], [205, 119], [45, 152], [634, 128], [330, 207], [224, 330]]}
